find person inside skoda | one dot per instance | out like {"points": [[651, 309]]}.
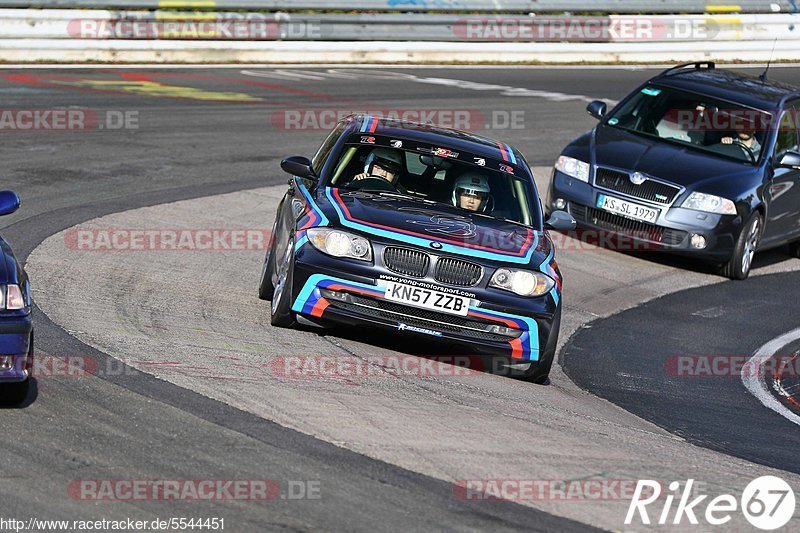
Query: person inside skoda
{"points": [[471, 192]]}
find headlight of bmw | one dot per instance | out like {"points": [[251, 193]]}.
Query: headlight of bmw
{"points": [[573, 167], [709, 203], [522, 282], [340, 243]]}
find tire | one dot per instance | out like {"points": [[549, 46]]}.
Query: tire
{"points": [[541, 372], [794, 249], [12, 394], [742, 259], [281, 309], [265, 287]]}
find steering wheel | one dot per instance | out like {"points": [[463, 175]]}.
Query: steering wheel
{"points": [[742, 148], [374, 183], [747, 151]]}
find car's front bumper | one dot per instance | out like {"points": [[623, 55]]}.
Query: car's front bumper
{"points": [[671, 232], [15, 339], [345, 292]]}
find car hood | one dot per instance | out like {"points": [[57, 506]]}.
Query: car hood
{"points": [[617, 148], [428, 224]]}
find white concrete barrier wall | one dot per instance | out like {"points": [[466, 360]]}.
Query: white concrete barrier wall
{"points": [[104, 24], [69, 35], [129, 51]]}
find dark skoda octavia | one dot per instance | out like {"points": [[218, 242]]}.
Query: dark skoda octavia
{"points": [[423, 231], [697, 161]]}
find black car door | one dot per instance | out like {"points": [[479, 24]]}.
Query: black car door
{"points": [[783, 191]]}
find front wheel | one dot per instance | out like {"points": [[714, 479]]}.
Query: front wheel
{"points": [[14, 393], [281, 310], [265, 287], [742, 259], [540, 373], [794, 249]]}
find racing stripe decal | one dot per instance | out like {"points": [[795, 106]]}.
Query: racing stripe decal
{"points": [[313, 217], [526, 347], [310, 302], [314, 208], [523, 256], [547, 268], [302, 238], [508, 153], [370, 124]]}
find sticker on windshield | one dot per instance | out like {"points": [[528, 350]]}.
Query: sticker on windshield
{"points": [[651, 91], [444, 152], [613, 121]]}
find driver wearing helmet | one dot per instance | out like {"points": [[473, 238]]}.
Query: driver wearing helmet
{"points": [[471, 192], [383, 163]]}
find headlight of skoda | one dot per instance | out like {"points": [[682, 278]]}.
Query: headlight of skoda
{"points": [[522, 282], [340, 243], [711, 204], [573, 167]]}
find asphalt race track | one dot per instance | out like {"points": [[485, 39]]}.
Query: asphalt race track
{"points": [[184, 388], [704, 403]]}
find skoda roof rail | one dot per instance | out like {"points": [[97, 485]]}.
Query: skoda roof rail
{"points": [[696, 66]]}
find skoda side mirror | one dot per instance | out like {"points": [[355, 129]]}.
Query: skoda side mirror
{"points": [[560, 221], [790, 159], [597, 109]]}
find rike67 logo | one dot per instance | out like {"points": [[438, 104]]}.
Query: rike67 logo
{"points": [[767, 502]]}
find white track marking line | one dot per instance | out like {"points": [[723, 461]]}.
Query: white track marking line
{"points": [[758, 387], [503, 90], [283, 74]]}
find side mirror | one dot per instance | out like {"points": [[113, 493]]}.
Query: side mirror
{"points": [[300, 166], [560, 221], [597, 109], [9, 202], [790, 159]]}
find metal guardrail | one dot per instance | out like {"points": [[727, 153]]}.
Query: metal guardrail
{"points": [[494, 6], [168, 25]]}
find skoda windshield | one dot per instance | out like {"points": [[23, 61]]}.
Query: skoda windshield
{"points": [[695, 121]]}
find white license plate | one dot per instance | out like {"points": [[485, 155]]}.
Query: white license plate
{"points": [[427, 299], [626, 208]]}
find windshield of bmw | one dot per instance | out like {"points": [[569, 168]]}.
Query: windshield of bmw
{"points": [[695, 121], [438, 175]]}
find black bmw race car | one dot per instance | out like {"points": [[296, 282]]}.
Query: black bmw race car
{"points": [[422, 231]]}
